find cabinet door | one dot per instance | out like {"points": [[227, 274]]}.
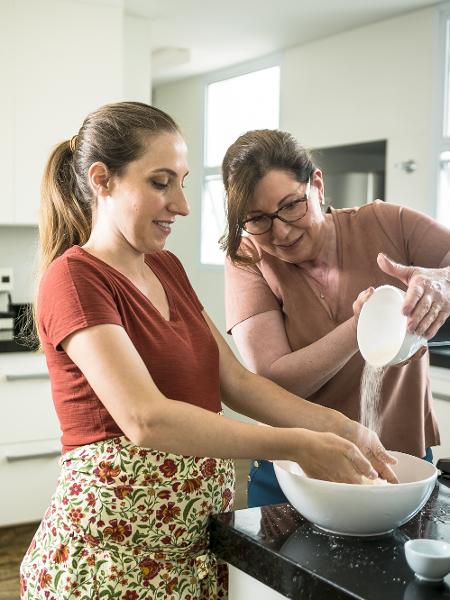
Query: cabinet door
{"points": [[440, 388], [28, 472], [27, 412], [29, 438], [66, 66], [6, 111]]}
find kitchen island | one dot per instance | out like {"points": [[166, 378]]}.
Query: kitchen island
{"points": [[276, 546]]}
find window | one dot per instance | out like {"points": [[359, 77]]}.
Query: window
{"points": [[443, 202], [233, 106]]}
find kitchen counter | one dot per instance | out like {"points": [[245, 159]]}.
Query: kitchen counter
{"points": [[439, 347], [278, 547], [440, 356]]}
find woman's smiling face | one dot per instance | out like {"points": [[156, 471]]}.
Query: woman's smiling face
{"points": [[292, 242], [146, 199]]}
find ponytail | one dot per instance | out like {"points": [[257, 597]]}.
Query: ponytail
{"points": [[65, 220], [114, 134], [65, 217]]}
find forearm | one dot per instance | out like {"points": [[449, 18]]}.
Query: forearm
{"points": [[182, 428], [267, 402], [305, 371]]}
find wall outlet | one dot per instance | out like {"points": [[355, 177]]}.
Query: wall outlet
{"points": [[6, 279]]}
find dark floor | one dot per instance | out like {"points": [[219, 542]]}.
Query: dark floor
{"points": [[14, 541]]}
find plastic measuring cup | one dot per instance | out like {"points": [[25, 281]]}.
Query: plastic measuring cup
{"points": [[382, 334]]}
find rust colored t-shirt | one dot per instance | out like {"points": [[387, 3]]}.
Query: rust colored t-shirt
{"points": [[406, 236], [79, 290]]}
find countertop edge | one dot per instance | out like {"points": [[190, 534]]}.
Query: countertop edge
{"points": [[280, 574]]}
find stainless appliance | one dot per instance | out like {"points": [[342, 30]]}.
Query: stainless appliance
{"points": [[348, 189]]}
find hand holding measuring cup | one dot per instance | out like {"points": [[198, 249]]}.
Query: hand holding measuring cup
{"points": [[427, 301], [382, 333]]}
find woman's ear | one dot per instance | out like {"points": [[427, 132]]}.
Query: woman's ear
{"points": [[98, 176], [317, 182]]}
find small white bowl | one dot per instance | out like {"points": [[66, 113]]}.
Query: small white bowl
{"points": [[429, 559]]}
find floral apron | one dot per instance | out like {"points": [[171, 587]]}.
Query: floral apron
{"points": [[129, 523]]}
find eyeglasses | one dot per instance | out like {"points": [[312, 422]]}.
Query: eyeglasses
{"points": [[289, 213]]}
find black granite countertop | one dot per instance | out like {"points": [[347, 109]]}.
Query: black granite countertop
{"points": [[440, 356], [439, 347], [277, 546]]}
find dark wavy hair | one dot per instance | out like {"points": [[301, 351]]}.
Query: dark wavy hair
{"points": [[245, 163]]}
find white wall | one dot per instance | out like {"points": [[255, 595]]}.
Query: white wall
{"points": [[137, 84], [68, 60], [371, 83], [367, 84]]}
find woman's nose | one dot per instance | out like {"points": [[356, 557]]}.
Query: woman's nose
{"points": [[179, 203], [280, 228]]}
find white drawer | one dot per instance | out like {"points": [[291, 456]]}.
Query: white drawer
{"points": [[26, 409], [22, 362], [28, 475]]}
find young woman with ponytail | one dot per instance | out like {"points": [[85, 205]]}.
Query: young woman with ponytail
{"points": [[138, 374]]}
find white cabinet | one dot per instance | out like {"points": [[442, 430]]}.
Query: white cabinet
{"points": [[29, 438], [242, 585], [6, 111], [59, 61], [440, 387]]}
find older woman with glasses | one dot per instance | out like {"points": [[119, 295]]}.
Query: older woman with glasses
{"points": [[296, 279]]}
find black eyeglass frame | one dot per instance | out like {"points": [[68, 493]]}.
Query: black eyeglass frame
{"points": [[275, 214]]}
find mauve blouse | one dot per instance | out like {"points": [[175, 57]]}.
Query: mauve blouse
{"points": [[405, 235]]}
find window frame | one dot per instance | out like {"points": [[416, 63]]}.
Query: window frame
{"points": [[441, 106], [266, 62]]}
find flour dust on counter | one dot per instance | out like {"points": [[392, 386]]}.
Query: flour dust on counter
{"points": [[370, 394]]}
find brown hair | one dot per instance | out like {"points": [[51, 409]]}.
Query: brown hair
{"points": [[245, 163], [115, 135]]}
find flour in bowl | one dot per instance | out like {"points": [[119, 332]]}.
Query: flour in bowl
{"points": [[378, 481]]}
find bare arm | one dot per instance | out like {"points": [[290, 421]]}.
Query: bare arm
{"points": [[265, 349], [265, 401], [117, 374]]}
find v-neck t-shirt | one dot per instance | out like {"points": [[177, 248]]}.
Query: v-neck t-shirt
{"points": [[79, 290], [405, 235]]}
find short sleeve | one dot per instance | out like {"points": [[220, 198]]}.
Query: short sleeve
{"points": [[182, 277], [74, 294], [246, 293], [424, 241]]}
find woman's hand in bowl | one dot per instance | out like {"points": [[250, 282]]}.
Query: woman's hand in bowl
{"points": [[332, 458], [369, 444]]}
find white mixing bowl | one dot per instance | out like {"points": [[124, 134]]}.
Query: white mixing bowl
{"points": [[359, 510]]}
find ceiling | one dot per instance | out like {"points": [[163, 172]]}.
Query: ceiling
{"points": [[190, 37]]}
